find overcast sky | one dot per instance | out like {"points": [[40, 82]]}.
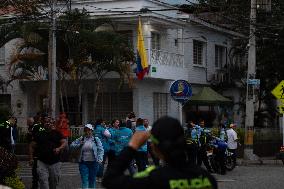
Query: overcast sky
{"points": [[178, 1]]}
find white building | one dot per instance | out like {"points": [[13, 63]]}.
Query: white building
{"points": [[179, 46]]}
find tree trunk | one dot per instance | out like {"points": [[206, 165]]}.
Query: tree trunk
{"points": [[79, 103], [60, 90], [96, 95]]}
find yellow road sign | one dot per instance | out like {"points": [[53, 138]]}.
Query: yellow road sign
{"points": [[278, 91], [281, 109]]}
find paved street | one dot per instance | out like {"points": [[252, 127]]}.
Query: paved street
{"points": [[242, 177], [253, 176]]}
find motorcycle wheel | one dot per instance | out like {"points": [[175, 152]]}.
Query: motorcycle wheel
{"points": [[230, 164]]}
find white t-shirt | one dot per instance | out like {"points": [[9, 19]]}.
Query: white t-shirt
{"points": [[232, 137]]}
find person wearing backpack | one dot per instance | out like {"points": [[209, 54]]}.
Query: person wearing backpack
{"points": [[90, 157]]}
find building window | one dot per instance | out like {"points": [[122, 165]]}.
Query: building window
{"points": [[110, 105], [198, 52], [155, 41], [128, 36], [5, 102], [74, 113], [2, 55], [219, 56], [160, 105]]}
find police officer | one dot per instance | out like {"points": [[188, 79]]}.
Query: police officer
{"points": [[35, 126], [5, 134], [169, 145], [192, 142], [202, 150]]}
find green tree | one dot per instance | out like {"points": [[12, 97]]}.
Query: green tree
{"points": [[83, 52], [235, 15]]}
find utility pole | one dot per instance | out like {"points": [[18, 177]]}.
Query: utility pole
{"points": [[52, 62], [250, 97]]}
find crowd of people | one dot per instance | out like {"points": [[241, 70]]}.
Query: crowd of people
{"points": [[122, 145], [200, 138]]}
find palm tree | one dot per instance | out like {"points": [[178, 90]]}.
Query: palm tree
{"points": [[95, 53], [83, 51]]}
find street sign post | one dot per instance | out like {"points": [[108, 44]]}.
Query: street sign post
{"points": [[181, 92], [278, 92], [281, 109], [254, 81]]}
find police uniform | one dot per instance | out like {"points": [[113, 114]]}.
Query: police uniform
{"points": [[166, 177], [5, 135], [192, 145], [202, 150]]}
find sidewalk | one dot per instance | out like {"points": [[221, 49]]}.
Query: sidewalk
{"points": [[260, 161]]}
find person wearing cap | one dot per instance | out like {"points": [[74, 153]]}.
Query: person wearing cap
{"points": [[169, 145], [90, 156], [232, 141]]}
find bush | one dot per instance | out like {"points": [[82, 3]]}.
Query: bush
{"points": [[8, 164], [14, 182]]}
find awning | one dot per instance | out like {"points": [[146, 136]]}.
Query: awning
{"points": [[208, 96]]}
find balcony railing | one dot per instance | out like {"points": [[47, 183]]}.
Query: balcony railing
{"points": [[160, 57]]}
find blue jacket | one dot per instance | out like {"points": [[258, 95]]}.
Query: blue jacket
{"points": [[220, 144], [222, 134], [111, 140], [122, 137], [143, 148], [97, 148], [194, 134], [99, 132]]}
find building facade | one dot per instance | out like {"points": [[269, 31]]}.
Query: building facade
{"points": [[179, 46]]}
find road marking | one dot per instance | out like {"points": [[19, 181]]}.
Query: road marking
{"points": [[226, 180]]}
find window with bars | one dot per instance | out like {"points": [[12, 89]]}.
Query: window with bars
{"points": [[198, 52], [2, 55], [155, 41], [160, 102], [5, 101], [74, 114], [219, 56], [110, 105]]}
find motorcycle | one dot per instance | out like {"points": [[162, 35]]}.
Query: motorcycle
{"points": [[230, 165], [214, 148]]}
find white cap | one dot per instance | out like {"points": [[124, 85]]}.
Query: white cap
{"points": [[89, 126]]}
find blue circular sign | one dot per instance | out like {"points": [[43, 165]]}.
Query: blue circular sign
{"points": [[181, 91]]}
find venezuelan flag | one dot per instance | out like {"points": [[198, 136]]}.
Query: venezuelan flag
{"points": [[142, 63]]}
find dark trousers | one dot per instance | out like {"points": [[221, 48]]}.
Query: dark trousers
{"points": [[202, 157], [35, 175], [100, 172], [110, 157], [192, 150], [141, 160], [156, 161], [234, 156], [220, 158]]}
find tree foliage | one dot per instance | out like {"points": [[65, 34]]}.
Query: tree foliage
{"points": [[83, 50], [235, 15]]}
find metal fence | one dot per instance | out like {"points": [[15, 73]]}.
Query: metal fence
{"points": [[76, 132]]}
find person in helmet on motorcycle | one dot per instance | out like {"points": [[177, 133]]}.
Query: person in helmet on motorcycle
{"points": [[220, 147]]}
